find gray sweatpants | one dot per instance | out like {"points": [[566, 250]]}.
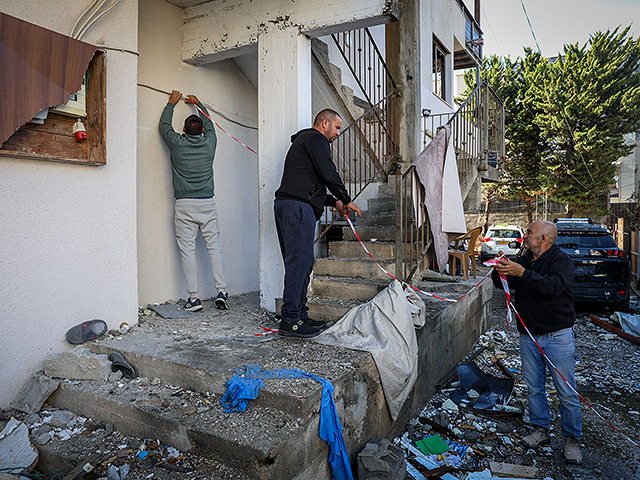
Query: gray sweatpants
{"points": [[191, 215]]}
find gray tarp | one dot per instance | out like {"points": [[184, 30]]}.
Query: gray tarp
{"points": [[385, 327]]}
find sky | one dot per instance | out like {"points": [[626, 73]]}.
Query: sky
{"points": [[554, 22]]}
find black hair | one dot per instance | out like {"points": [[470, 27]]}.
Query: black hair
{"points": [[193, 125], [326, 114]]}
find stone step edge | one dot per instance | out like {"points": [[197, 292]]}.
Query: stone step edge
{"points": [[191, 436], [293, 405], [353, 280]]}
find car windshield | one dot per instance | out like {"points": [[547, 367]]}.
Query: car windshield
{"points": [[504, 233], [582, 240]]}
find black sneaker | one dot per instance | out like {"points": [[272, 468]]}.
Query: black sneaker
{"points": [[193, 305], [222, 301], [314, 323], [298, 329]]}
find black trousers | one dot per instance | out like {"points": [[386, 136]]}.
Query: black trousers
{"points": [[296, 224]]}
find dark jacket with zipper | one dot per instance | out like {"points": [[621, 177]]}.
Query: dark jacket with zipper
{"points": [[309, 171], [544, 295]]}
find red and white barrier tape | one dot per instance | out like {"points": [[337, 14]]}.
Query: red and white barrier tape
{"points": [[216, 124], [408, 284]]}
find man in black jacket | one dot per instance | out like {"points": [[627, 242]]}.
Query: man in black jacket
{"points": [[543, 282], [300, 200]]}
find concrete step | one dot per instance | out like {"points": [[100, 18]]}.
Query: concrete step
{"points": [[202, 364], [382, 217], [381, 233], [379, 250], [328, 309], [382, 203], [346, 287], [388, 189], [270, 448], [182, 365], [353, 267]]}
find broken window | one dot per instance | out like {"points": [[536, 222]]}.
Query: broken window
{"points": [[439, 69], [42, 68]]}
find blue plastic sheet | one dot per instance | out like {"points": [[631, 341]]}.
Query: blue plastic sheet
{"points": [[246, 385]]}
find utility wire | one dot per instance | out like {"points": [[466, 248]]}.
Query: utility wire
{"points": [[207, 105], [493, 34], [530, 27]]}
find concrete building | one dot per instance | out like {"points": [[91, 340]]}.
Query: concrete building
{"points": [[97, 241], [628, 174]]}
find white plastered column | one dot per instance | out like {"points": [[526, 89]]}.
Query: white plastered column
{"points": [[284, 107]]}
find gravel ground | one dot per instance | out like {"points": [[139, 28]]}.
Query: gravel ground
{"points": [[608, 377]]}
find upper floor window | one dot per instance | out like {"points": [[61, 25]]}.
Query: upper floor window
{"points": [[439, 69]]}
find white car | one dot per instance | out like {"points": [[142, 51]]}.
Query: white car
{"points": [[498, 238]]}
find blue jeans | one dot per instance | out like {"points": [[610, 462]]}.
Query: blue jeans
{"points": [[560, 347], [296, 226]]}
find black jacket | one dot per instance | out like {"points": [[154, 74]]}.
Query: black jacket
{"points": [[309, 170], [544, 294]]}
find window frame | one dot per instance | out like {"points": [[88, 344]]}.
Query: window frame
{"points": [[439, 78]]}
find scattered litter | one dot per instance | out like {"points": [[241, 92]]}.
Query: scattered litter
{"points": [[629, 322], [432, 445], [493, 391], [511, 471]]}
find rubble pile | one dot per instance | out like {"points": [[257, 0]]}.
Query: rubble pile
{"points": [[102, 453], [483, 442]]}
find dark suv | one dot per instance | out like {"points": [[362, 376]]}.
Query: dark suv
{"points": [[602, 269]]}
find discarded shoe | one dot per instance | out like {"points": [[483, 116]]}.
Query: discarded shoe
{"points": [[86, 331], [572, 453], [539, 436], [119, 363], [193, 305], [222, 301], [314, 323], [298, 329]]}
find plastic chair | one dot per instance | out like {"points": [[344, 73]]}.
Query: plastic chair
{"points": [[470, 238]]}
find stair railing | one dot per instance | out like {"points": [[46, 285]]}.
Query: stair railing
{"points": [[365, 148], [362, 151], [365, 63], [477, 133]]}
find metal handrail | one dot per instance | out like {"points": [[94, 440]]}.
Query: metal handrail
{"points": [[477, 133], [362, 151], [366, 63]]}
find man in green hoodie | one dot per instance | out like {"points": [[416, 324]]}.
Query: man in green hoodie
{"points": [[192, 155]]}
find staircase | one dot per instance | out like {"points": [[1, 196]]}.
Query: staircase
{"points": [[347, 276]]}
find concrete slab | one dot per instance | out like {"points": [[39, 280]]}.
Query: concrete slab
{"points": [[78, 364], [34, 393]]}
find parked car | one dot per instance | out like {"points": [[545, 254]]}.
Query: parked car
{"points": [[498, 238], [602, 268]]}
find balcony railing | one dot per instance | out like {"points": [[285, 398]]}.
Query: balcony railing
{"points": [[477, 130]]}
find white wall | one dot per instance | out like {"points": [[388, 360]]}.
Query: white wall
{"points": [[446, 20], [68, 242], [225, 88]]}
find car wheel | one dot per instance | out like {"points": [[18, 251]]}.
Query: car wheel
{"points": [[621, 306]]}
